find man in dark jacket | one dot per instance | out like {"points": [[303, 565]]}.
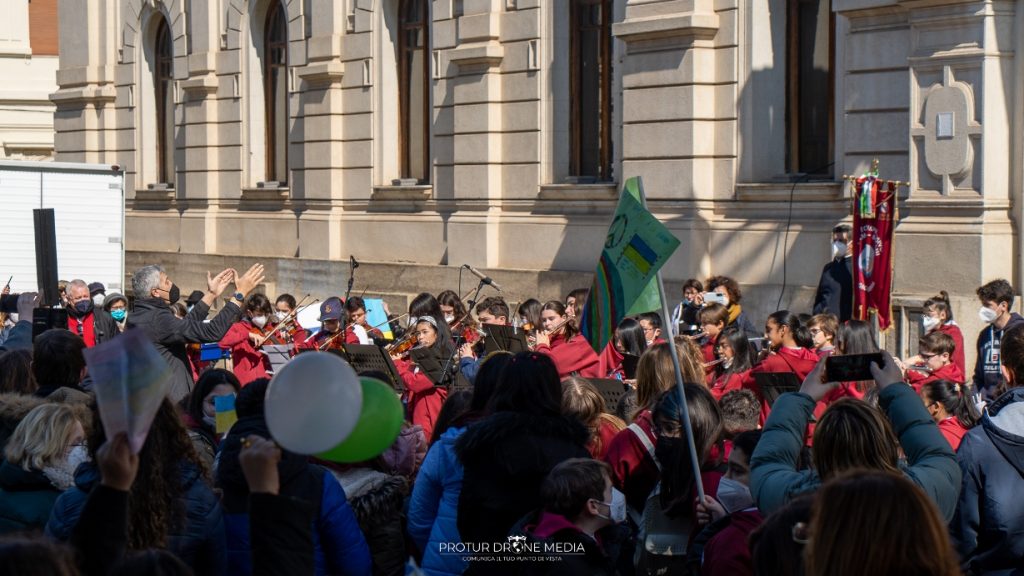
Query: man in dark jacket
{"points": [[835, 289], [988, 528], [92, 324], [154, 293], [996, 300]]}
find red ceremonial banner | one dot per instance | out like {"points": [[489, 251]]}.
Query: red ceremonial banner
{"points": [[874, 223]]}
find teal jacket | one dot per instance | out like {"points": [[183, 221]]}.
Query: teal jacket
{"points": [[931, 463]]}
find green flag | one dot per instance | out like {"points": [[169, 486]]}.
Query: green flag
{"points": [[650, 298], [637, 246]]}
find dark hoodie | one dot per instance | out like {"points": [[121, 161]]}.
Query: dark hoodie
{"points": [[339, 546], [988, 527], [987, 375], [506, 456]]}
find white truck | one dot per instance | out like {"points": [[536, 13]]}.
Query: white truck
{"points": [[88, 206]]}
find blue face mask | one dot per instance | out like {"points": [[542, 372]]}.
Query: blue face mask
{"points": [[119, 315]]}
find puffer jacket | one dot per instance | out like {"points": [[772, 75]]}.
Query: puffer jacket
{"points": [[989, 525], [378, 501], [338, 542], [434, 507], [931, 463], [26, 498], [198, 542]]}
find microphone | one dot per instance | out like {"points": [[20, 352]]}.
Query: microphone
{"points": [[352, 262], [482, 277]]}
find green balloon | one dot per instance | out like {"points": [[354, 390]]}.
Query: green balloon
{"points": [[378, 426]]}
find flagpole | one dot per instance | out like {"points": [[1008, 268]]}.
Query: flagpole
{"points": [[684, 411]]}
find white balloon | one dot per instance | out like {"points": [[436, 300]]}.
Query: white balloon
{"points": [[313, 403]]}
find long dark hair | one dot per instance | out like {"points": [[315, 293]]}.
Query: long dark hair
{"points": [[677, 479], [569, 328], [632, 336], [951, 396], [529, 385], [450, 298], [16, 372], [940, 304], [487, 378], [801, 335], [210, 379], [156, 503], [530, 310], [856, 337], [743, 354], [424, 304]]}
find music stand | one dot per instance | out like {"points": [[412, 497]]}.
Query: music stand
{"points": [[370, 358], [629, 364], [429, 362], [774, 384], [279, 355], [611, 389], [504, 338]]}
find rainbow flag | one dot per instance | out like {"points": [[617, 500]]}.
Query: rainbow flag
{"points": [[637, 246]]}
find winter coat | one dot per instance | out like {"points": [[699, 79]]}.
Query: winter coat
{"points": [[987, 375], [835, 289], [931, 464], [247, 362], [505, 457], [634, 469], [434, 506], [727, 553], [198, 542], [599, 557], [19, 337], [988, 528], [948, 372], [339, 544], [26, 498], [170, 335], [378, 501], [573, 356]]}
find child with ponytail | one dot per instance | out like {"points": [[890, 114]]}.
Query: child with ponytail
{"points": [[954, 412]]}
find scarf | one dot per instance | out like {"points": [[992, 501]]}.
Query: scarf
{"points": [[734, 312]]}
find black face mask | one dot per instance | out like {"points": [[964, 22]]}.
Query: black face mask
{"points": [[173, 294], [80, 309], [676, 477]]}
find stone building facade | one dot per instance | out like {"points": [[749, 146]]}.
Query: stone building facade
{"points": [[28, 65], [420, 135]]}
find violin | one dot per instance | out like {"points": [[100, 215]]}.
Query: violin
{"points": [[270, 335], [334, 342], [400, 348]]}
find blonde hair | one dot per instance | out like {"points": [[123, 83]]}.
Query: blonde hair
{"points": [[41, 438], [655, 373], [582, 401]]}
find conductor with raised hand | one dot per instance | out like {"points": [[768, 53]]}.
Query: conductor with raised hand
{"points": [[155, 292]]}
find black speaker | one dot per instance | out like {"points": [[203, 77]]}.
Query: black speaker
{"points": [[46, 256]]}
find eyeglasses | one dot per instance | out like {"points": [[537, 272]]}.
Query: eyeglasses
{"points": [[815, 331], [925, 356]]}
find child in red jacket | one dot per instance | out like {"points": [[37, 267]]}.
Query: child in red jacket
{"points": [[713, 319], [933, 362]]}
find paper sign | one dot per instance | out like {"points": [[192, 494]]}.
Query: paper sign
{"points": [[376, 317], [225, 412], [131, 380]]}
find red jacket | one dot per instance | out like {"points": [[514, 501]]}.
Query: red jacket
{"points": [[609, 363], [321, 336], [799, 361], [423, 398], [844, 390], [249, 363], [953, 431], [708, 351], [574, 355], [634, 471], [954, 332], [727, 382], [727, 553], [948, 372]]}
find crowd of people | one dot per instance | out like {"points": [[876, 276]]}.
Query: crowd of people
{"points": [[552, 459]]}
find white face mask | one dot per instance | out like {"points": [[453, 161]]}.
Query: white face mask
{"points": [[930, 323], [259, 321], [280, 315], [616, 508], [97, 300], [838, 249], [449, 318], [734, 496], [987, 315]]}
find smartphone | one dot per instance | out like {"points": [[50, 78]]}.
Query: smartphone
{"points": [[852, 367], [715, 297]]}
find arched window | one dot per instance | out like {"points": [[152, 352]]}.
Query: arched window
{"points": [[163, 91], [275, 92], [414, 88], [590, 89]]}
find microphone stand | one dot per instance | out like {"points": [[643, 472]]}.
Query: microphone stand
{"points": [[351, 279], [458, 343]]}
